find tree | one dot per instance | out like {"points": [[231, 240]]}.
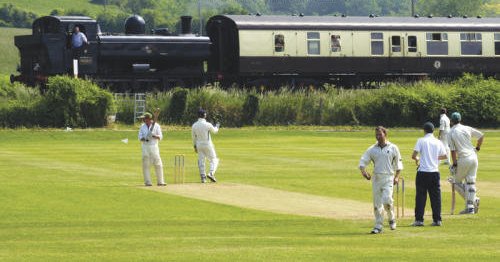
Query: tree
{"points": [[451, 7]]}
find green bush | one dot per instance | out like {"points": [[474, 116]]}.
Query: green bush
{"points": [[125, 108], [250, 109], [223, 106], [177, 105], [76, 103]]}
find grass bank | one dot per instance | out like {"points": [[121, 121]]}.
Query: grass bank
{"points": [[9, 55]]}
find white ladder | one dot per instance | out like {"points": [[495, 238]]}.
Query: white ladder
{"points": [[139, 105]]}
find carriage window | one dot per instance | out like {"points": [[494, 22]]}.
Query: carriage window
{"points": [[437, 43], [396, 43], [471, 43], [335, 43], [279, 43], [412, 44], [313, 43], [377, 43], [497, 43]]}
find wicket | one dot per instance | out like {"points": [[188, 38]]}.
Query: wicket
{"points": [[452, 198], [179, 169], [402, 204]]}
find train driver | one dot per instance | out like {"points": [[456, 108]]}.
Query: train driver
{"points": [[78, 40]]}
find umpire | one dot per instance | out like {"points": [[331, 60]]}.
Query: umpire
{"points": [[431, 150]]}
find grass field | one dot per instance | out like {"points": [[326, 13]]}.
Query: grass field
{"points": [[9, 54], [44, 7], [78, 196]]}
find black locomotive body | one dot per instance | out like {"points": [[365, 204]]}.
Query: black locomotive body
{"points": [[123, 61], [48, 50]]}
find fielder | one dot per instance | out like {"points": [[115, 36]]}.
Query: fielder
{"points": [[465, 161], [203, 145], [444, 130], [149, 135], [387, 163]]}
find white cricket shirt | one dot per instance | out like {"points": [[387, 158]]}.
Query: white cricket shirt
{"points": [[386, 160], [429, 148], [201, 132], [460, 140], [148, 132]]}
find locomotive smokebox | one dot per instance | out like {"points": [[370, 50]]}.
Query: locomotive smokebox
{"points": [[186, 25], [135, 25]]}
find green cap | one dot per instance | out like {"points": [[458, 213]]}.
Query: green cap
{"points": [[456, 117], [146, 115]]}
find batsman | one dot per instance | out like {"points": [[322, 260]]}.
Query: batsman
{"points": [[465, 162], [387, 163], [149, 135]]}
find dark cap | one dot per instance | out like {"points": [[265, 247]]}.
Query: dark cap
{"points": [[428, 127], [201, 112]]}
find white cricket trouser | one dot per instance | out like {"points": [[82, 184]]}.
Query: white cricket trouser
{"points": [[467, 169], [207, 151], [446, 146], [151, 156], [382, 187]]}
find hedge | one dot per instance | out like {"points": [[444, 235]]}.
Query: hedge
{"points": [[79, 103]]}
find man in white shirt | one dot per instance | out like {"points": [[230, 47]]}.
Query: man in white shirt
{"points": [[431, 150], [464, 159], [387, 163], [203, 145], [149, 135], [444, 130], [78, 39]]}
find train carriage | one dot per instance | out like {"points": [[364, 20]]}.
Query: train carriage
{"points": [[331, 48]]}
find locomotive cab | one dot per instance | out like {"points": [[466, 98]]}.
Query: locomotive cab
{"points": [[48, 51]]}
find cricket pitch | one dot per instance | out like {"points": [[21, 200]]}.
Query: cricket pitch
{"points": [[272, 200]]}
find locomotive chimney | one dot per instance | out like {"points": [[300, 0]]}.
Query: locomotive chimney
{"points": [[186, 25]]}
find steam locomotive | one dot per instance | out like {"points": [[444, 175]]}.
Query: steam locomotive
{"points": [[131, 61], [258, 49]]}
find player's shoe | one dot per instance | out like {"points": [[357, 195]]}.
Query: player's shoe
{"points": [[211, 177], [376, 231], [437, 223], [418, 223], [163, 184], [467, 211], [476, 205], [392, 224]]}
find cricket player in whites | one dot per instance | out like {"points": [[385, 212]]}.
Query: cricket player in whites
{"points": [[387, 163], [203, 145], [444, 130], [465, 163], [149, 135]]}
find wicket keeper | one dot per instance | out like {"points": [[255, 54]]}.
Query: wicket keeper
{"points": [[387, 163]]}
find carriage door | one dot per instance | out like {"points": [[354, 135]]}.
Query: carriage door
{"points": [[284, 43], [284, 47], [396, 42]]}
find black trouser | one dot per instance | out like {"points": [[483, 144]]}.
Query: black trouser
{"points": [[428, 182]]}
